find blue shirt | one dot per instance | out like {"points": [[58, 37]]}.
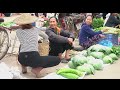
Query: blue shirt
{"points": [[86, 33]]}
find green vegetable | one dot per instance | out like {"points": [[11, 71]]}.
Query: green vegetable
{"points": [[98, 29], [98, 55], [116, 50], [108, 50], [69, 75], [96, 63], [79, 60], [89, 69], [82, 60], [96, 48], [113, 56], [97, 22], [111, 30], [7, 24], [69, 70], [107, 60], [71, 65], [75, 60], [90, 58], [84, 53]]}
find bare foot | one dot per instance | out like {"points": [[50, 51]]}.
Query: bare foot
{"points": [[60, 56], [36, 71], [24, 69], [67, 57]]}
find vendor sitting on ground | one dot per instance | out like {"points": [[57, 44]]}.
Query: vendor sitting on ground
{"points": [[87, 37], [28, 52], [113, 20], [60, 40]]}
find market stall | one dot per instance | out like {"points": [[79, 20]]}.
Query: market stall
{"points": [[87, 62]]}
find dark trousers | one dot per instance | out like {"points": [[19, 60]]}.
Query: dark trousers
{"points": [[33, 59], [7, 14], [56, 48]]}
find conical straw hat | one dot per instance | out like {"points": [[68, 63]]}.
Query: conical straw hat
{"points": [[25, 18]]}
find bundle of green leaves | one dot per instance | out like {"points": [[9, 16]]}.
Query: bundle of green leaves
{"points": [[97, 22]]}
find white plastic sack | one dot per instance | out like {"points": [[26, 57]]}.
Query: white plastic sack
{"points": [[6, 75], [4, 67]]}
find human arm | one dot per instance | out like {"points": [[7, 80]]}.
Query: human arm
{"points": [[43, 35], [15, 27], [90, 31], [67, 34], [56, 38]]}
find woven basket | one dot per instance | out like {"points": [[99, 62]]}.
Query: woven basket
{"points": [[43, 48]]}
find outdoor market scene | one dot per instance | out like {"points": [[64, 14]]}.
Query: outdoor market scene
{"points": [[59, 45]]}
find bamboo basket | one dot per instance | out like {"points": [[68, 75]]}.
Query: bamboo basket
{"points": [[43, 48]]}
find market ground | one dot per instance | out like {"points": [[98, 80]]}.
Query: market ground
{"points": [[109, 72]]}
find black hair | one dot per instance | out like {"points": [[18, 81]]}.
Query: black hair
{"points": [[86, 17], [26, 26], [54, 17], [89, 15]]}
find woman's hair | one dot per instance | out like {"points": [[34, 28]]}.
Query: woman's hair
{"points": [[89, 15], [86, 17], [26, 26], [55, 18]]}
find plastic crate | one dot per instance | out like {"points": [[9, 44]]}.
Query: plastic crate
{"points": [[110, 40]]}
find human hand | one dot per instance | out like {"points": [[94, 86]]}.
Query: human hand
{"points": [[104, 30], [102, 36], [70, 41]]}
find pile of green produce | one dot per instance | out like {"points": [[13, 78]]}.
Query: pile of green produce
{"points": [[96, 55], [111, 30], [106, 54], [116, 50], [93, 59], [97, 22], [7, 24]]}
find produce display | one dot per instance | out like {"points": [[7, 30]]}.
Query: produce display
{"points": [[7, 24], [90, 60], [111, 30]]}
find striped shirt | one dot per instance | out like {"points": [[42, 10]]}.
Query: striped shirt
{"points": [[28, 39]]}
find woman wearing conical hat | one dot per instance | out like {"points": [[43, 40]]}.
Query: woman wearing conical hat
{"points": [[28, 53]]}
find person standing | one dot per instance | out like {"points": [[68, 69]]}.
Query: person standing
{"points": [[112, 20]]}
